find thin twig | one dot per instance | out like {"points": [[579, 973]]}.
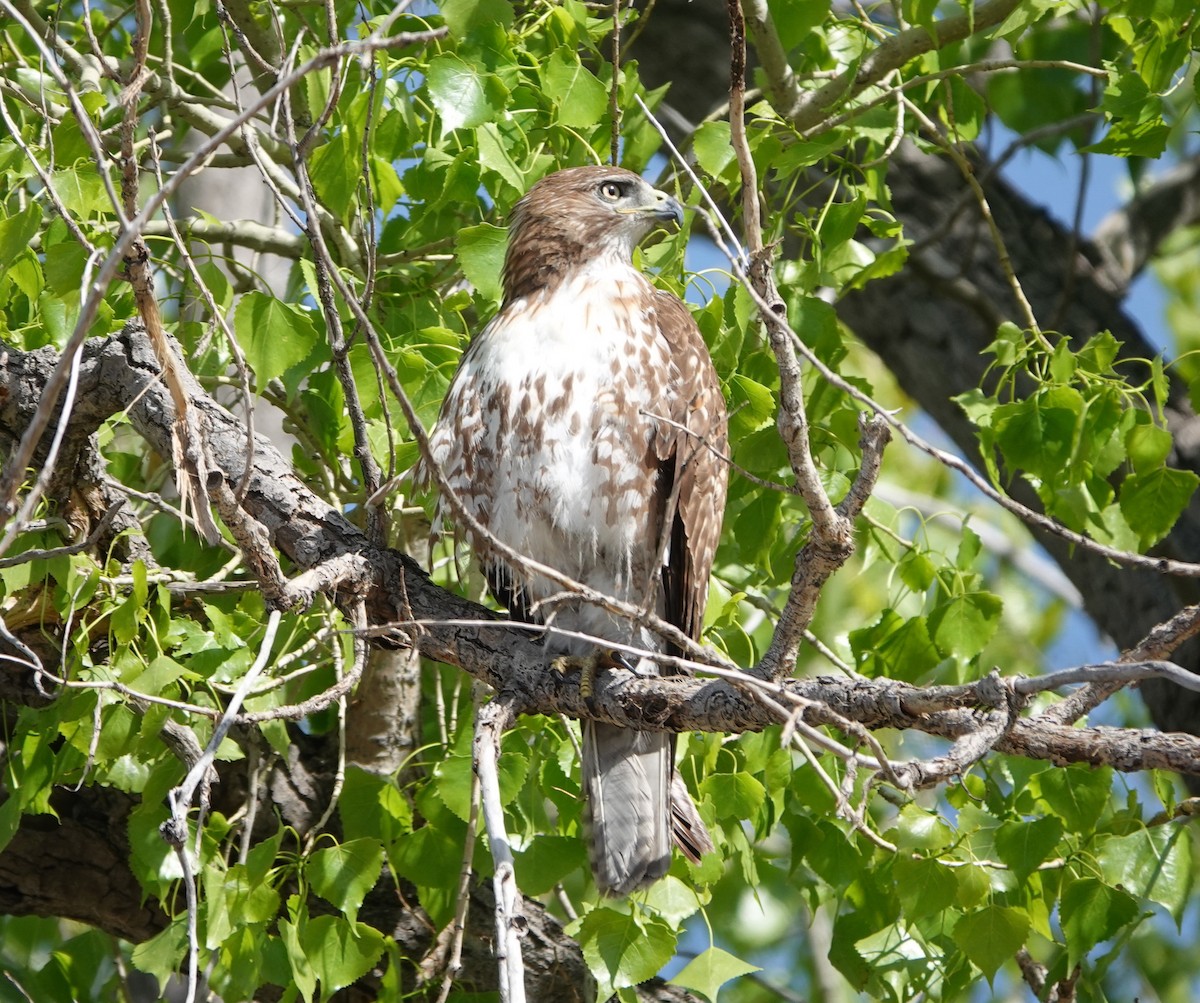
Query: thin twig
{"points": [[511, 924], [175, 829]]}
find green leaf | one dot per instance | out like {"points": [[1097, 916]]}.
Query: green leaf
{"points": [[274, 335], [480, 251], [755, 402], [1152, 501], [735, 795], [925, 887], [622, 949], [1037, 434], [82, 191], [920, 829], [1023, 846], [1099, 353], [340, 951], [546, 860], [373, 806], [159, 956], [1147, 446], [840, 222], [454, 778], [713, 146], [301, 969], [916, 570], [237, 897], [965, 624], [1091, 913], [463, 95], [992, 935], [580, 97], [1022, 16], [710, 970], [10, 820], [895, 647], [830, 853], [1077, 793], [1133, 139], [463, 16], [671, 899], [1153, 863], [336, 169], [426, 857], [159, 674], [17, 231], [795, 19], [343, 874]]}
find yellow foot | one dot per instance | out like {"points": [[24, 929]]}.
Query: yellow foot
{"points": [[588, 665]]}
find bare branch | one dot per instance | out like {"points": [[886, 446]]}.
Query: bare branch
{"points": [[892, 53], [511, 925], [1130, 236]]}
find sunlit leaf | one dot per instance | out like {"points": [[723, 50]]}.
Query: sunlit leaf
{"points": [[710, 970]]}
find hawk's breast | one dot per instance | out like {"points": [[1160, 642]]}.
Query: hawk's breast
{"points": [[547, 434]]}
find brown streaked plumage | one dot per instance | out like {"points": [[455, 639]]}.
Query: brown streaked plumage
{"points": [[584, 428]]}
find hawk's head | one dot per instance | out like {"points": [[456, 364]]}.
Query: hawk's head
{"points": [[574, 216]]}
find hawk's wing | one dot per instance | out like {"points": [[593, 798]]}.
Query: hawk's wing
{"points": [[692, 447]]}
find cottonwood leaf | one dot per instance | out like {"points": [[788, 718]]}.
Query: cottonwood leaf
{"points": [[581, 98], [343, 874], [1151, 863], [1025, 845], [622, 948], [275, 336], [710, 970], [463, 95], [991, 935], [1091, 912]]}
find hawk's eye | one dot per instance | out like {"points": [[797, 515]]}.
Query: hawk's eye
{"points": [[611, 191]]}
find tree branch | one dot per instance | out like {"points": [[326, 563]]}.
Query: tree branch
{"points": [[120, 373], [1130, 236]]}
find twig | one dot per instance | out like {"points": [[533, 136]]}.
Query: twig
{"points": [[13, 475], [1161, 641], [339, 775], [809, 110], [614, 90], [21, 456], [453, 964], [175, 829], [511, 924], [239, 357], [1002, 256], [339, 349], [72, 548]]}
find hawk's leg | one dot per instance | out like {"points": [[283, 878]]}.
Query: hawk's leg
{"points": [[589, 665]]}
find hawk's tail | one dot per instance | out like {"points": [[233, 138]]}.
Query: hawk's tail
{"points": [[634, 803], [626, 786]]}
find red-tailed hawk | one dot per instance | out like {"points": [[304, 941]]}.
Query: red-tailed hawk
{"points": [[583, 428]]}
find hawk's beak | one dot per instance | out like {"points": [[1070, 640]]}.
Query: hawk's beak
{"points": [[661, 206], [665, 207]]}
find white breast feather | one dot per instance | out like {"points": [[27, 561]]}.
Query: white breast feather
{"points": [[548, 496]]}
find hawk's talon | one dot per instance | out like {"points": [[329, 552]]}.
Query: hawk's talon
{"points": [[589, 665]]}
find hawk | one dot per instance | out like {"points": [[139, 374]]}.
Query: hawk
{"points": [[585, 428]]}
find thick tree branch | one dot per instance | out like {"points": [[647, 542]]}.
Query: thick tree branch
{"points": [[120, 374], [1130, 237]]}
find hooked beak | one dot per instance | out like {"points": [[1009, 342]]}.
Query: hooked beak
{"points": [[662, 206]]}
